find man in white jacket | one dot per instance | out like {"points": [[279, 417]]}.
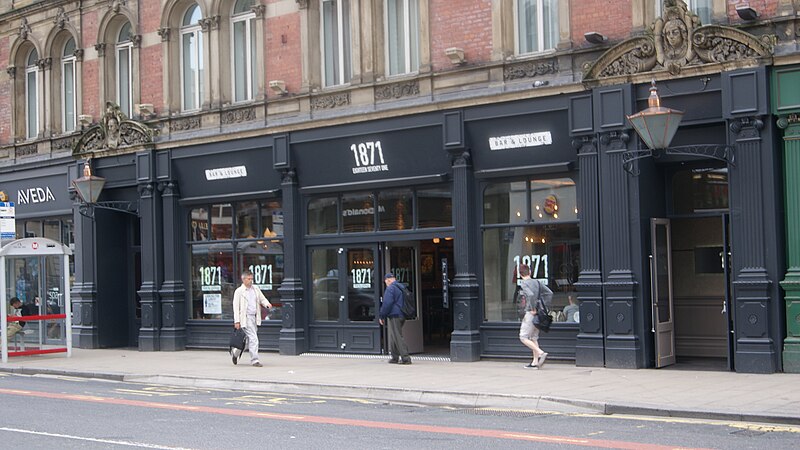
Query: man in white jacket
{"points": [[247, 314]]}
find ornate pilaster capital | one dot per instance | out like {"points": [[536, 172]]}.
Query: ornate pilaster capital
{"points": [[44, 63], [78, 54], [164, 33], [789, 119], [615, 138], [209, 23], [747, 127], [146, 190], [169, 188], [463, 159], [259, 11], [11, 71], [136, 40], [302, 4], [100, 48], [584, 144], [288, 176]]}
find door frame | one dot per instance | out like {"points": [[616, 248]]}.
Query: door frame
{"points": [[412, 329]]}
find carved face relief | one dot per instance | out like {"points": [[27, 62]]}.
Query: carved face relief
{"points": [[676, 35]]}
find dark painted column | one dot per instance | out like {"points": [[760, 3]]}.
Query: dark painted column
{"points": [[292, 340], [791, 283], [83, 293], [172, 293], [623, 303], [589, 349], [752, 202], [293, 336], [150, 227], [465, 342]]}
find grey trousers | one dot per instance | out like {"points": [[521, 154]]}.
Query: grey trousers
{"points": [[251, 330], [397, 345]]}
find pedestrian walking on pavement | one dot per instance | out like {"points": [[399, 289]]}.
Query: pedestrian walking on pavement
{"points": [[391, 312], [534, 291], [247, 300]]}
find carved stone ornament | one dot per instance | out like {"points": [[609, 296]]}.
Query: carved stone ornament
{"points": [[44, 63], [115, 5], [61, 18], [238, 116], [164, 33], [259, 11], [397, 90], [529, 69], [113, 132], [302, 4], [184, 124], [24, 29], [11, 71], [330, 101], [78, 54], [100, 48], [677, 40], [209, 23]]}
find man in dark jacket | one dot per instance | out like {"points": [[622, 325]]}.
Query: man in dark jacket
{"points": [[391, 312]]}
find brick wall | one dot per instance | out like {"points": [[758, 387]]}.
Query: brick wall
{"points": [[612, 18], [460, 23], [283, 52], [6, 135]]}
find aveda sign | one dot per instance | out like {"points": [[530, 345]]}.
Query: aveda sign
{"points": [[35, 195]]}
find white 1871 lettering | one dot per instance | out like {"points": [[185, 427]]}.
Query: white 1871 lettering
{"points": [[368, 157]]}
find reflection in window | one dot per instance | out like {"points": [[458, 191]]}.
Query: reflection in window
{"points": [[358, 213], [554, 200], [505, 202], [394, 210], [434, 208], [247, 220], [222, 221], [325, 284], [212, 276], [537, 25], [198, 224], [271, 219], [699, 190], [323, 216]]}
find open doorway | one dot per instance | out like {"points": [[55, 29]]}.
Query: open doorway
{"points": [[436, 256]]}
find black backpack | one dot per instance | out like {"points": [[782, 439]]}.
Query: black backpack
{"points": [[409, 307]]}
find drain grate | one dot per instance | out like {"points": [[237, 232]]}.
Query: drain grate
{"points": [[501, 412], [352, 356]]}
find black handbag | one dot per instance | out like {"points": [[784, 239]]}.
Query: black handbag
{"points": [[238, 339]]}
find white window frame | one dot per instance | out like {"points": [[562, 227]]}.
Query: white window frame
{"points": [[68, 61], [692, 6], [197, 49], [126, 46], [540, 36], [248, 19], [31, 120], [410, 29], [341, 43]]}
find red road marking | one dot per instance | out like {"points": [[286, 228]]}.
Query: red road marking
{"points": [[496, 434]]}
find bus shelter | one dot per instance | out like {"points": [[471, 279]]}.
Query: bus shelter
{"points": [[34, 290]]}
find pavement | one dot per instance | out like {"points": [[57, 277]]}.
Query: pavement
{"points": [[557, 386]]}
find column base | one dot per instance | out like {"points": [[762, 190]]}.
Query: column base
{"points": [[465, 346], [292, 342]]}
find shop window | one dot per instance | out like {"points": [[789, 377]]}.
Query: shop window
{"points": [[336, 64], [216, 267], [505, 202], [222, 221], [323, 216], [700, 190], [358, 213], [434, 208], [536, 25], [394, 209], [244, 51], [549, 244], [325, 285], [402, 36]]}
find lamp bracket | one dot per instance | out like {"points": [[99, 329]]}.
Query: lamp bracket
{"points": [[718, 152], [87, 209]]}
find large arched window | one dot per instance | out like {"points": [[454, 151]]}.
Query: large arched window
{"points": [[123, 49], [243, 51], [32, 95], [192, 64], [68, 87]]}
